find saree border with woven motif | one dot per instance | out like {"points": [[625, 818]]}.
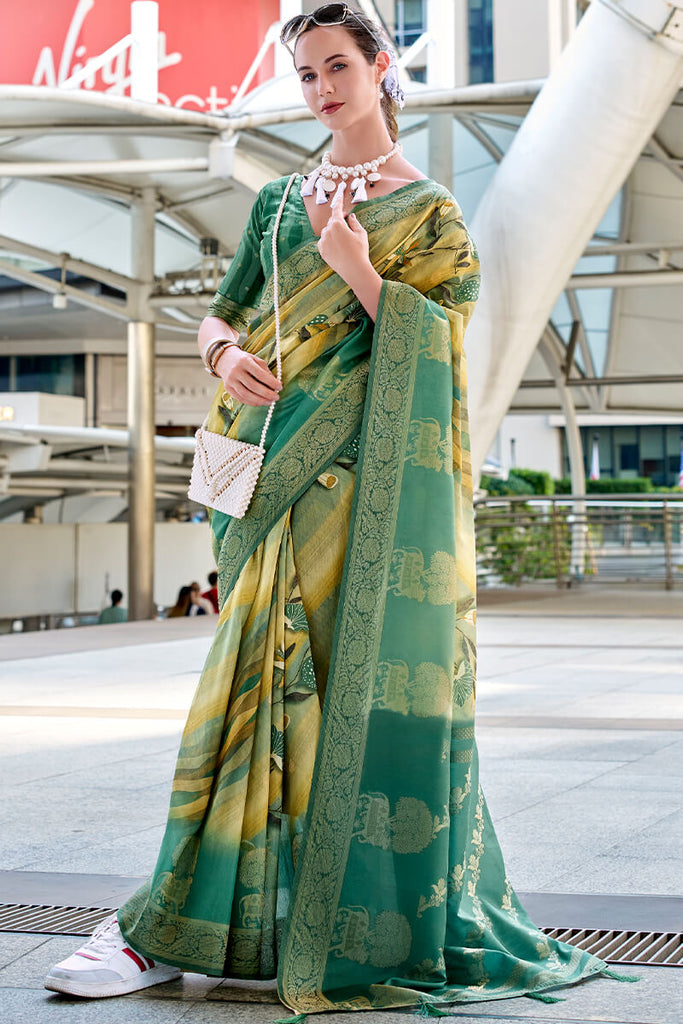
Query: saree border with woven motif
{"points": [[400, 894]]}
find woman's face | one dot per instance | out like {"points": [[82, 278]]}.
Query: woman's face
{"points": [[338, 84]]}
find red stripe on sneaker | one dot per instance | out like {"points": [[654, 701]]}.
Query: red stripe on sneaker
{"points": [[150, 963], [88, 956], [135, 958]]}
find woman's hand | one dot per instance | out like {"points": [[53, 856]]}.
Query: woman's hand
{"points": [[246, 377], [344, 246]]}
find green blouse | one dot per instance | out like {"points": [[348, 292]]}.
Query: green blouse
{"points": [[239, 293]]}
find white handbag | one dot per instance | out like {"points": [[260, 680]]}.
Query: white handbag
{"points": [[225, 470]]}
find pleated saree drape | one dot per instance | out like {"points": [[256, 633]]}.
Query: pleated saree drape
{"points": [[327, 825]]}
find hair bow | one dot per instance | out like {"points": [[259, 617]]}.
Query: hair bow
{"points": [[391, 84]]}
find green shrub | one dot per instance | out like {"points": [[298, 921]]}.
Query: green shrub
{"points": [[513, 485], [517, 542], [637, 485], [541, 481]]}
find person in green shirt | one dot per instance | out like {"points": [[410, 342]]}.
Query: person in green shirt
{"points": [[115, 613]]}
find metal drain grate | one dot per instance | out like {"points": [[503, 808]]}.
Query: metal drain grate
{"points": [[662, 949], [50, 920]]}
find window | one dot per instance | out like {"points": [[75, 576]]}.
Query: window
{"points": [[674, 446], [652, 454], [480, 19], [626, 451], [628, 458], [410, 21], [55, 375], [650, 450]]}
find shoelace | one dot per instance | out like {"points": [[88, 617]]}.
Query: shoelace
{"points": [[106, 937]]}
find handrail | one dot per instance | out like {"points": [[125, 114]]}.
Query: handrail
{"points": [[576, 538], [607, 498]]}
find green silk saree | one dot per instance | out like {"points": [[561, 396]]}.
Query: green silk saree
{"points": [[327, 826]]}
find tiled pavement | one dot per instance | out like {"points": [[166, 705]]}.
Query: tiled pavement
{"points": [[580, 733]]}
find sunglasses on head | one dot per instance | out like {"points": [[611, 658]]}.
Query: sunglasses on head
{"points": [[328, 14]]}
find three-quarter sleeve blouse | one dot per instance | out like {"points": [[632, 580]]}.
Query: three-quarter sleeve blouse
{"points": [[239, 293], [242, 290]]}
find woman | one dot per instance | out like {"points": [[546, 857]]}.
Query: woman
{"points": [[211, 595], [199, 605], [327, 826], [182, 604]]}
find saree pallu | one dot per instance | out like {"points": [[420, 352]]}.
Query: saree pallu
{"points": [[327, 826]]}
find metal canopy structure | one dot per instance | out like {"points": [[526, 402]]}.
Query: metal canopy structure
{"points": [[116, 148], [106, 200], [204, 170], [583, 309]]}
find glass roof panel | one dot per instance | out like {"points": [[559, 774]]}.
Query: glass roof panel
{"points": [[597, 342], [596, 305], [415, 145], [609, 225], [473, 168], [561, 319], [595, 265], [501, 135], [309, 134], [514, 120]]}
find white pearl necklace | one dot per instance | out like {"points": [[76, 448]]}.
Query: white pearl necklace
{"points": [[328, 177]]}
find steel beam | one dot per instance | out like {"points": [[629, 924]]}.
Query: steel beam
{"points": [[71, 168]]}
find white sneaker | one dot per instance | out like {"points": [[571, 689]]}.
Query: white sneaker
{"points": [[107, 966]]}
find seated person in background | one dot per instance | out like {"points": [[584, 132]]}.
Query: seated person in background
{"points": [[198, 604], [182, 605], [211, 594], [115, 613], [190, 602]]}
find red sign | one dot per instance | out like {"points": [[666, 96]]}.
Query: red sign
{"points": [[205, 47]]}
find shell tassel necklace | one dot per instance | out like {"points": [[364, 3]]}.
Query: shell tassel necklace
{"points": [[330, 178]]}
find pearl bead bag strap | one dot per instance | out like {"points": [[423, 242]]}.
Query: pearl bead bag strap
{"points": [[225, 470], [276, 304], [276, 299]]}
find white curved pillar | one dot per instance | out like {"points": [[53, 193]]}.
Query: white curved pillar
{"points": [[578, 143]]}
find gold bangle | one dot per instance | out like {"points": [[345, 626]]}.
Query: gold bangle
{"points": [[211, 350], [214, 341], [218, 352], [207, 358]]}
